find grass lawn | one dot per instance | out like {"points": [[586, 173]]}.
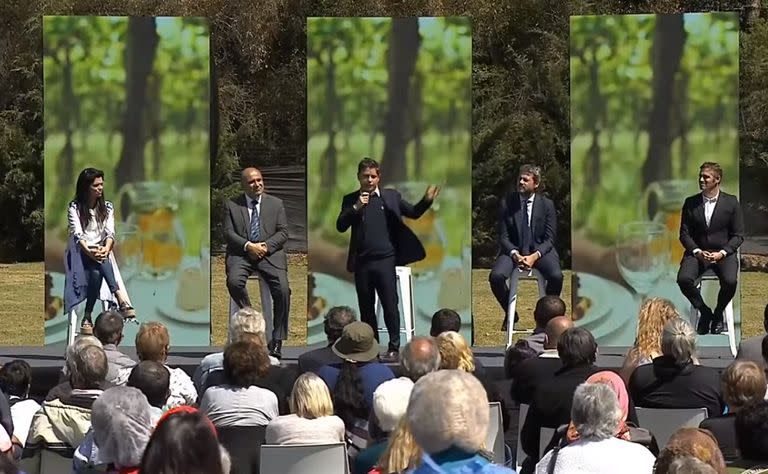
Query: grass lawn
{"points": [[21, 287]]}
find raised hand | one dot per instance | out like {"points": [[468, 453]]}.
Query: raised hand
{"points": [[431, 193]]}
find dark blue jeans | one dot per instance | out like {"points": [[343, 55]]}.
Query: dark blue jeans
{"points": [[94, 272]]}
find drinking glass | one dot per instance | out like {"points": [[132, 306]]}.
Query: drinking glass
{"points": [[642, 253]]}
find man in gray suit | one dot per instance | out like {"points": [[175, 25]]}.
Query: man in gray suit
{"points": [[751, 348], [256, 228]]}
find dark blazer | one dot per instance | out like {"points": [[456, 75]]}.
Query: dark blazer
{"points": [[543, 224], [724, 429], [408, 248], [273, 226], [726, 228], [312, 361], [529, 374]]}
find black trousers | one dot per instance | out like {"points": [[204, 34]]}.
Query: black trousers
{"points": [[727, 271], [548, 265], [240, 268], [378, 276]]}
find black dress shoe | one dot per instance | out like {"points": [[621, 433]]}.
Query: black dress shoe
{"points": [[505, 321], [390, 356], [705, 319], [717, 327], [275, 348]]}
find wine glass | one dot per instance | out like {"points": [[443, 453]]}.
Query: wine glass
{"points": [[642, 252]]}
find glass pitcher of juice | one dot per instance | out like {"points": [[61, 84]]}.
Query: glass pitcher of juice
{"points": [[152, 207], [662, 203]]}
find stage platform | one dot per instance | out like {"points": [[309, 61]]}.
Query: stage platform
{"points": [[47, 361]]}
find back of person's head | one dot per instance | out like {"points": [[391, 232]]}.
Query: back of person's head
{"points": [[390, 401], [595, 411], [153, 379], [245, 362], [88, 368], [245, 321], [108, 327], [420, 357], [15, 378], [515, 355], [310, 397], [122, 423], [765, 318], [548, 307], [690, 465], [653, 315], [695, 442], [184, 442], [743, 384], [402, 451], [752, 432], [555, 328], [153, 342], [678, 341], [455, 352], [335, 320], [448, 408], [7, 466], [445, 320], [577, 347], [80, 342], [348, 395], [765, 349]]}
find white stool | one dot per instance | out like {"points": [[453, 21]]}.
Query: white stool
{"points": [[405, 294], [514, 280], [72, 326], [710, 276], [266, 307]]}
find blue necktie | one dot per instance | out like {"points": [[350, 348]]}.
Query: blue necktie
{"points": [[527, 238], [255, 222]]}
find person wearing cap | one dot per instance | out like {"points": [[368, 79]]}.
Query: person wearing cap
{"points": [[353, 381], [448, 416]]}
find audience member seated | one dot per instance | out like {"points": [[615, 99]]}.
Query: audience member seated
{"points": [[445, 320], [597, 446], [547, 307], [62, 423], [751, 347], [64, 386], [743, 384], [311, 419], [552, 399], [333, 324], [752, 440], [693, 442], [401, 453], [527, 375], [690, 465], [184, 442], [154, 381], [153, 343], [448, 416], [15, 380], [390, 401], [353, 381], [653, 315], [672, 380], [108, 329], [419, 357], [243, 321], [121, 424], [241, 402]]}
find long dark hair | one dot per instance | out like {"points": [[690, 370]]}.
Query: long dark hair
{"points": [[348, 395], [182, 443], [83, 190]]}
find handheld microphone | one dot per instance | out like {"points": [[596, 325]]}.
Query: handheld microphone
{"points": [[363, 194]]}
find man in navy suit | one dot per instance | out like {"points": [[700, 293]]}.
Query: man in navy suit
{"points": [[379, 242], [527, 229], [711, 230]]}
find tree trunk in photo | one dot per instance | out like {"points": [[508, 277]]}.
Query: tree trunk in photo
{"points": [[67, 167], [328, 172], [682, 123], [401, 62], [596, 115], [153, 122], [140, 49], [666, 52], [417, 126]]}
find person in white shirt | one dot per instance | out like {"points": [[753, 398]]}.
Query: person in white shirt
{"points": [[15, 380]]}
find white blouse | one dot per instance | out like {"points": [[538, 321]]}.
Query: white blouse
{"points": [[94, 233]]}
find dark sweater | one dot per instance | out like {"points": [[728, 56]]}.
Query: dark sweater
{"points": [[375, 242]]}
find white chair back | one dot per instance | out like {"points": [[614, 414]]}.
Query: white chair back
{"points": [[663, 422], [545, 436], [494, 440], [520, 454], [304, 458]]}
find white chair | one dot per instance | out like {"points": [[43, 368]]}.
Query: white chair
{"points": [[405, 296], [304, 458], [514, 281], [663, 422], [520, 454], [710, 276], [545, 436], [266, 305], [494, 439]]}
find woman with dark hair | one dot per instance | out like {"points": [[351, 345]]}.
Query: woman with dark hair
{"points": [[184, 442], [89, 260]]}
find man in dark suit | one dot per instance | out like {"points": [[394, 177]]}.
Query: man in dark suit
{"points": [[379, 242], [527, 229], [256, 228], [711, 230]]}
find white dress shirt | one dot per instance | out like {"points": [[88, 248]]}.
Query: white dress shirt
{"points": [[249, 204], [709, 209], [529, 209]]}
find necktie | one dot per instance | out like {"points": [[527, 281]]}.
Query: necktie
{"points": [[527, 238], [255, 222]]}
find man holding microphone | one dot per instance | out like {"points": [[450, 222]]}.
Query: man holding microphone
{"points": [[380, 241]]}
